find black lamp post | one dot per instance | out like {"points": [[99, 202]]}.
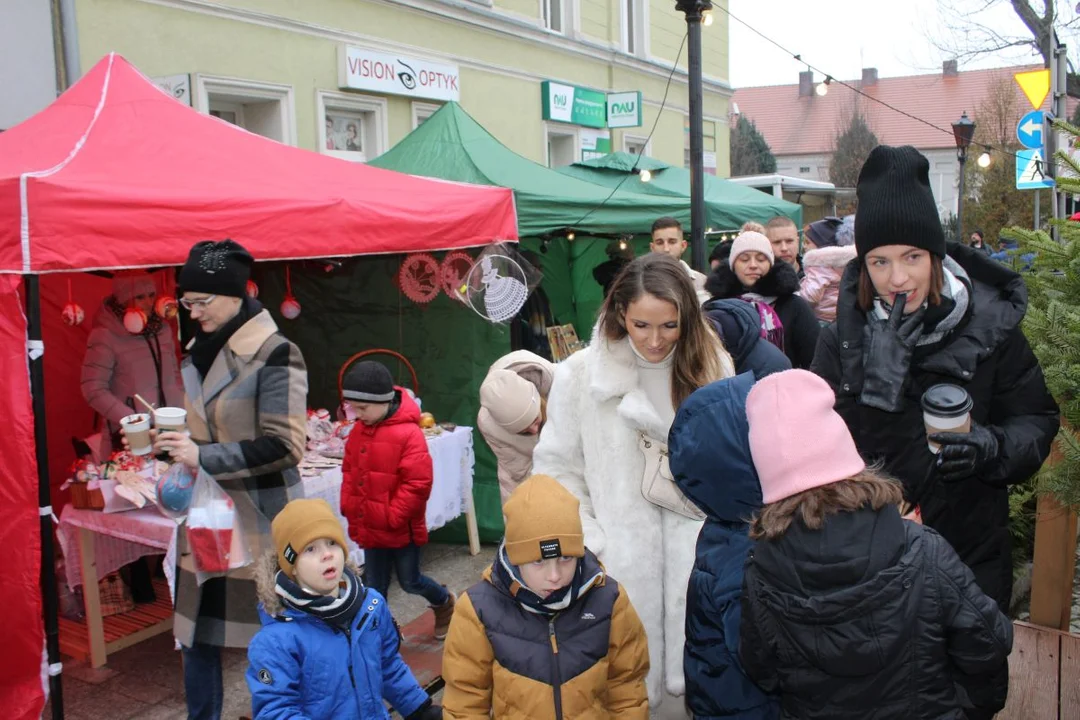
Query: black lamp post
{"points": [[694, 11], [963, 131]]}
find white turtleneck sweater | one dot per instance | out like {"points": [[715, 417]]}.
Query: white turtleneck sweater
{"points": [[655, 379]]}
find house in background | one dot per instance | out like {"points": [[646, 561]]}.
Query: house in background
{"points": [[801, 126]]}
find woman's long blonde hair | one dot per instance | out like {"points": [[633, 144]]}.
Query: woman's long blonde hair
{"points": [[700, 357]]}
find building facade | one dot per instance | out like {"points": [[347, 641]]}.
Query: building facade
{"points": [[28, 77], [554, 80]]}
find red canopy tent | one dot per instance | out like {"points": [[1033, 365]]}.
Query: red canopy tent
{"points": [[117, 174]]}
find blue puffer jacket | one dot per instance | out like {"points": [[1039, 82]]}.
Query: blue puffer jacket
{"points": [[739, 327], [711, 463], [301, 668]]}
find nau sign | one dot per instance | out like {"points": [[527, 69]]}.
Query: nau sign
{"points": [[590, 108], [361, 69]]}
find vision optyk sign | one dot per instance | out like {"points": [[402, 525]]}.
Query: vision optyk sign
{"points": [[361, 69]]}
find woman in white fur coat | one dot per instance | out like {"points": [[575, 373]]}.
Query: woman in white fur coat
{"points": [[650, 350]]}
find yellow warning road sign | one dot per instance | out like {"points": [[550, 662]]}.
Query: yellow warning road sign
{"points": [[1035, 84]]}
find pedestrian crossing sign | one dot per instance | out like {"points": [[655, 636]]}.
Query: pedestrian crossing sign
{"points": [[1031, 171]]}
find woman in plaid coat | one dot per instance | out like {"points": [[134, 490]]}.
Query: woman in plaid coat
{"points": [[246, 398]]}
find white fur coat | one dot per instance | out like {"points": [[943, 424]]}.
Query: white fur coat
{"points": [[590, 444]]}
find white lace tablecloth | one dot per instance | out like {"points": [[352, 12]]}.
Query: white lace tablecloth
{"points": [[452, 459], [120, 538]]}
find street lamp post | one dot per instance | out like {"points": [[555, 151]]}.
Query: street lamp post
{"points": [[694, 10], [963, 131]]}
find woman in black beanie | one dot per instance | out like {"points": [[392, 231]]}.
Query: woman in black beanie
{"points": [[246, 399], [914, 312]]}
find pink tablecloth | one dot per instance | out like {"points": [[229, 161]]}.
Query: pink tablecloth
{"points": [[119, 539]]}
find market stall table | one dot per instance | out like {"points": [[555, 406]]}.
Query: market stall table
{"points": [[95, 544]]}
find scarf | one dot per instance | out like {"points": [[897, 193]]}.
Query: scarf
{"points": [[510, 576], [772, 329], [336, 611], [206, 346], [955, 298]]}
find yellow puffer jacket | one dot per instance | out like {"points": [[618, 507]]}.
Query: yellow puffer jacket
{"points": [[588, 662]]}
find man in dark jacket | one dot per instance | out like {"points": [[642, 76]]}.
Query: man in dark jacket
{"points": [[971, 338], [711, 463], [738, 325]]}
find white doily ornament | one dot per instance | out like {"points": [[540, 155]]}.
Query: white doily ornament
{"points": [[496, 288]]}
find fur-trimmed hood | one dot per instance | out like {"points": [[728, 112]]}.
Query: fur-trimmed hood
{"points": [[266, 569], [832, 257], [780, 281]]}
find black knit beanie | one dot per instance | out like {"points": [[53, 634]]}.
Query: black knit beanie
{"points": [[823, 232], [216, 268], [368, 381], [896, 205]]}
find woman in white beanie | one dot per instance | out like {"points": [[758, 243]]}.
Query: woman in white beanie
{"points": [[513, 397]]}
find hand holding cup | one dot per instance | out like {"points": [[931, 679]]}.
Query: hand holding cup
{"points": [[179, 447]]}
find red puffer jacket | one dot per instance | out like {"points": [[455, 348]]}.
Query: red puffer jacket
{"points": [[387, 480]]}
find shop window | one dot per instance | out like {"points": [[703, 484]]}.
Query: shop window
{"points": [[635, 145], [633, 26], [351, 127], [262, 108], [421, 112], [561, 148], [554, 15], [805, 169]]}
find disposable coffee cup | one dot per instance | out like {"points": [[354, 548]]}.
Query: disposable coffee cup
{"points": [[137, 431], [946, 408], [169, 419]]}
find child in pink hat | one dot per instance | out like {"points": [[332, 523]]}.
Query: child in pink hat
{"points": [[849, 610]]}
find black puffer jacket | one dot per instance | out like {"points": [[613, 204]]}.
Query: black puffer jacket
{"points": [[801, 328], [871, 617], [989, 356]]}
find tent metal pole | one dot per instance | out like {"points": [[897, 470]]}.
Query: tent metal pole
{"points": [[41, 450]]}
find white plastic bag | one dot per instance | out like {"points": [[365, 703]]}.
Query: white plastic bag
{"points": [[215, 533]]}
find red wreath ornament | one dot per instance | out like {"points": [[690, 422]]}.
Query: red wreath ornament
{"points": [[419, 278], [455, 266]]}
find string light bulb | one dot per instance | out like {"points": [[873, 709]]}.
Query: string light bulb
{"points": [[570, 235], [646, 175], [707, 18], [823, 87], [984, 160], [622, 244]]}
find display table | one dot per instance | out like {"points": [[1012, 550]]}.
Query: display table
{"points": [[452, 459], [96, 544]]}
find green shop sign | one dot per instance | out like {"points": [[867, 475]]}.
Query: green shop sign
{"points": [[590, 108]]}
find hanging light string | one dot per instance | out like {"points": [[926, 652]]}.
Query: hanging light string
{"points": [[829, 79]]}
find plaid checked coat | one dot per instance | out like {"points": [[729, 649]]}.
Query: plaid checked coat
{"points": [[249, 416]]}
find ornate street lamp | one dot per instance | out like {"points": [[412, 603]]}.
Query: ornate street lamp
{"points": [[963, 131], [696, 11]]}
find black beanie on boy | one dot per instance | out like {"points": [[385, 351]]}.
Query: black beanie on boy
{"points": [[368, 381], [896, 204], [216, 268]]}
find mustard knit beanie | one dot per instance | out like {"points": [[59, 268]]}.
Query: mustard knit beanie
{"points": [[300, 523], [542, 522]]}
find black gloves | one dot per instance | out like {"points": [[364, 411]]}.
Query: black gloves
{"points": [[887, 347], [964, 454], [427, 711]]}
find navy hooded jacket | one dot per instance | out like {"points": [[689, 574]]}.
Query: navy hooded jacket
{"points": [[739, 327], [710, 460]]}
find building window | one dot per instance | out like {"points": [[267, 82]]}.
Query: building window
{"points": [[635, 145], [351, 127], [421, 112], [562, 147], [555, 15], [633, 26], [262, 108], [804, 168]]}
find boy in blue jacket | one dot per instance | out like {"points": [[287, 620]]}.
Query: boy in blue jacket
{"points": [[711, 462], [328, 647]]}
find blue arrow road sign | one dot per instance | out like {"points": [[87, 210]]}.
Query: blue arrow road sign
{"points": [[1030, 130], [1031, 171]]}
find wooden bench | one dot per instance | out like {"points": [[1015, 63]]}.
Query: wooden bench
{"points": [[1044, 675]]}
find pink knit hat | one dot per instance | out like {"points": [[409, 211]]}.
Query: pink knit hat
{"points": [[782, 409], [750, 241]]}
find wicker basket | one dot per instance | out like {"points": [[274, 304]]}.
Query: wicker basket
{"points": [[84, 498]]}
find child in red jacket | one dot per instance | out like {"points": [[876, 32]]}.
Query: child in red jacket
{"points": [[386, 483]]}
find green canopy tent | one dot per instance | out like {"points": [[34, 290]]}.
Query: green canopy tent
{"points": [[727, 205]]}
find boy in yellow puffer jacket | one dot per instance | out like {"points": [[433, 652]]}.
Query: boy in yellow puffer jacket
{"points": [[546, 634]]}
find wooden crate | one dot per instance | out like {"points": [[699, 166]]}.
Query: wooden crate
{"points": [[1044, 675]]}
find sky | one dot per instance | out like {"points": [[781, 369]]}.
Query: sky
{"points": [[840, 37]]}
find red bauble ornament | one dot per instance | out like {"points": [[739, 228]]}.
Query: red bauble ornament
{"points": [[252, 289], [134, 320], [72, 314], [455, 266], [166, 307], [290, 308], [419, 278]]}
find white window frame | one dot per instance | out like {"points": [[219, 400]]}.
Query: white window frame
{"points": [[641, 33], [422, 111], [545, 15], [565, 131], [643, 141], [231, 88], [223, 106], [352, 103]]}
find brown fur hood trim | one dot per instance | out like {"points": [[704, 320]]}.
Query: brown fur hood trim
{"points": [[266, 569]]}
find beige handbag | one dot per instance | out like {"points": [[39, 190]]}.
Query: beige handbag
{"points": [[658, 485]]}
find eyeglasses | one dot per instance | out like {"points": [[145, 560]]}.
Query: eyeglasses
{"points": [[200, 304]]}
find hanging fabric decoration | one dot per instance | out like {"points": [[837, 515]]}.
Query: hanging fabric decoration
{"points": [[419, 278], [135, 320], [72, 314], [166, 307], [252, 289], [290, 306], [455, 266]]}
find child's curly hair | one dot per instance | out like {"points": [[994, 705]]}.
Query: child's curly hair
{"points": [[870, 487]]}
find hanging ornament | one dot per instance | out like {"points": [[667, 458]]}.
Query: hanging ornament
{"points": [[72, 314], [252, 289], [166, 307], [455, 266], [419, 278], [290, 306], [134, 320]]}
